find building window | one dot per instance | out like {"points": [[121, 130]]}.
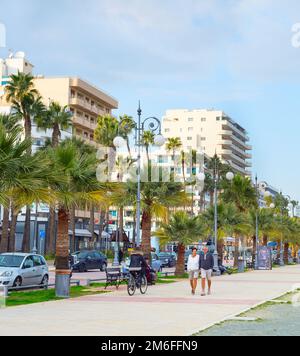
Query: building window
{"points": [[203, 138], [190, 119], [167, 130], [203, 119], [190, 138], [190, 129]]}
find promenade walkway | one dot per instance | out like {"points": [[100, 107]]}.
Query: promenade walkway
{"points": [[166, 309]]}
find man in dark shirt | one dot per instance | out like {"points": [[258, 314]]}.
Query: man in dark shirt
{"points": [[206, 266], [137, 260]]}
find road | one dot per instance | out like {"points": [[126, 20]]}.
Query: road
{"points": [[165, 310]]}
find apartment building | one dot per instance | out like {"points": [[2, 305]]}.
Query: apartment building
{"points": [[211, 131]]}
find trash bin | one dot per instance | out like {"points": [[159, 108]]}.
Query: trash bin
{"points": [[241, 266]]}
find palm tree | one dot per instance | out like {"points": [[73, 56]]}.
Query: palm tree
{"points": [[266, 225], [230, 223], [127, 126], [241, 192], [147, 141], [9, 122], [57, 119], [26, 105], [80, 188], [157, 198], [24, 179], [174, 144], [182, 230]]}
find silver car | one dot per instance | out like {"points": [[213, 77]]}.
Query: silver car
{"points": [[21, 269]]}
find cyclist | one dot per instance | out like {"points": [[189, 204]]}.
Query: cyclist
{"points": [[137, 260]]}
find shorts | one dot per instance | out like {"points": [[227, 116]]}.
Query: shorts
{"points": [[194, 274], [206, 274]]}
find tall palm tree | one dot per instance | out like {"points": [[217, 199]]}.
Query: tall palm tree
{"points": [[266, 225], [21, 92], [57, 119], [24, 179], [80, 188], [182, 230], [157, 198], [26, 105], [230, 223], [147, 141], [9, 122], [173, 144], [127, 126]]}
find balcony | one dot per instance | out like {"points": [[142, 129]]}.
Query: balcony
{"points": [[82, 104], [83, 122]]}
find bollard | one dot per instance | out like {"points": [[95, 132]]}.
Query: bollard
{"points": [[3, 296]]}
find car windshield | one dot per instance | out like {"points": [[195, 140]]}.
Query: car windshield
{"points": [[11, 261], [164, 255], [81, 255]]}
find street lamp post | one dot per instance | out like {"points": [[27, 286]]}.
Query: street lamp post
{"points": [[154, 125], [229, 177], [257, 226]]}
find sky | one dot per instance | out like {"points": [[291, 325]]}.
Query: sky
{"points": [[231, 55]]}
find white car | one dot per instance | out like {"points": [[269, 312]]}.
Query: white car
{"points": [[21, 269]]}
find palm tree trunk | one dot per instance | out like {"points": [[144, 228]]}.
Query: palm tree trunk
{"points": [[220, 248], [92, 225], [63, 242], [50, 245], [73, 228], [236, 251], [146, 233], [27, 228], [13, 226], [286, 253], [180, 265], [265, 240], [55, 136], [5, 234], [121, 225]]}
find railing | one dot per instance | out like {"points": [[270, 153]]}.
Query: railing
{"points": [[7, 290]]}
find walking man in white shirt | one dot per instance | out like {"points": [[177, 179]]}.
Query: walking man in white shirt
{"points": [[193, 269]]}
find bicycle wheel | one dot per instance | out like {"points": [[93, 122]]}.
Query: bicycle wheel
{"points": [[131, 286], [144, 285]]}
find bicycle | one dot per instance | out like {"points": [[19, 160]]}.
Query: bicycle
{"points": [[136, 281]]}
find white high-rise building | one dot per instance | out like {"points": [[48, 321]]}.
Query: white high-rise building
{"points": [[211, 131]]}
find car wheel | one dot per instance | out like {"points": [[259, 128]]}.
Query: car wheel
{"points": [[82, 268], [103, 267], [17, 282], [45, 281]]}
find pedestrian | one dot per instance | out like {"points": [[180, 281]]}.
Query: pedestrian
{"points": [[206, 265], [121, 256], [193, 269]]}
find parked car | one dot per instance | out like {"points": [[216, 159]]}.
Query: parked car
{"points": [[21, 269], [84, 261], [168, 259]]}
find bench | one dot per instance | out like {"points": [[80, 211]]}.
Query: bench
{"points": [[113, 277]]}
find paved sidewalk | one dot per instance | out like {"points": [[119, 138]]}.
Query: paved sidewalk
{"points": [[165, 310]]}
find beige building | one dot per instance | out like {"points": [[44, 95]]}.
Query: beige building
{"points": [[212, 132], [84, 100]]}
